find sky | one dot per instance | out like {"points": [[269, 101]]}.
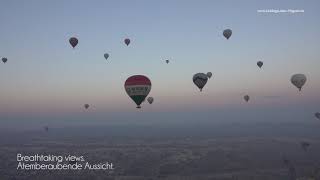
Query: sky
{"points": [[46, 79]]}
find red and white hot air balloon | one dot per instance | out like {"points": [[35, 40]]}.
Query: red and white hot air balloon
{"points": [[138, 88]]}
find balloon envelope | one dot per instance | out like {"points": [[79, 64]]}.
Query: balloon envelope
{"points": [[150, 100], [4, 60], [246, 98], [167, 61], [86, 106], [260, 64], [73, 41], [106, 55], [227, 33], [317, 114], [298, 80], [138, 88], [209, 74], [127, 41], [200, 80]]}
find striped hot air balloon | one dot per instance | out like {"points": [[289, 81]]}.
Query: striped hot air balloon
{"points": [[138, 88]]}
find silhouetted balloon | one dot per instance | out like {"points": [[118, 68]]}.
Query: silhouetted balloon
{"points": [[167, 61], [138, 88], [73, 41], [260, 64], [4, 60], [86, 106], [246, 98], [127, 41], [150, 100], [227, 33], [106, 55], [298, 80], [209, 74], [200, 80], [317, 114]]}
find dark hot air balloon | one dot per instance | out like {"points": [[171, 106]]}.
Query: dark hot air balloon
{"points": [[227, 33], [106, 56], [200, 80], [298, 80], [150, 100], [127, 41], [209, 74], [73, 41], [4, 60], [246, 98], [259, 64]]}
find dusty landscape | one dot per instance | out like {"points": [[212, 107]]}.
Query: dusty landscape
{"points": [[169, 153]]}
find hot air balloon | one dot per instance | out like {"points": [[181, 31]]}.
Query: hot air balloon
{"points": [[200, 80], [167, 61], [317, 114], [150, 100], [227, 33], [138, 88], [209, 74], [106, 55], [260, 64], [298, 80], [73, 41], [305, 145], [127, 41], [4, 60], [246, 98], [86, 106]]}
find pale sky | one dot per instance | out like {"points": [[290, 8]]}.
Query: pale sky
{"points": [[44, 76]]}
